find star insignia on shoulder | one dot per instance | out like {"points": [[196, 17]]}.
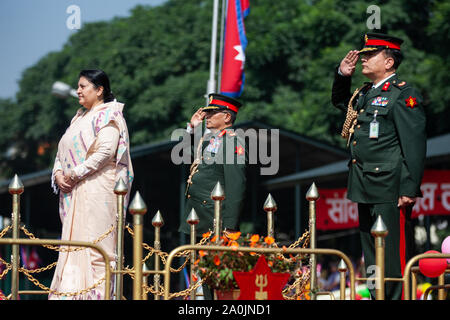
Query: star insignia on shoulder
{"points": [[411, 102], [239, 150]]}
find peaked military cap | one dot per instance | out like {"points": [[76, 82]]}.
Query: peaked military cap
{"points": [[221, 102], [378, 41]]}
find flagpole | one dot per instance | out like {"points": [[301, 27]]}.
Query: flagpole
{"points": [[211, 86], [222, 28]]}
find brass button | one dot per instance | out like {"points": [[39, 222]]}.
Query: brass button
{"points": [[377, 169], [204, 201], [358, 126], [354, 161], [354, 143], [361, 111], [188, 196]]}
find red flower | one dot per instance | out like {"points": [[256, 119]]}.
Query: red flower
{"points": [[269, 240], [234, 236], [206, 235], [254, 238]]}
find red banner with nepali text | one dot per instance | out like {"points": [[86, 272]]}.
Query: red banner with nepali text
{"points": [[436, 194], [335, 211]]}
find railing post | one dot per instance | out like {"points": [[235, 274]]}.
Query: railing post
{"points": [[137, 209], [218, 195], [342, 268], [312, 195], [193, 220], [441, 291], [270, 206], [414, 285], [157, 222], [15, 189], [379, 231], [120, 190]]}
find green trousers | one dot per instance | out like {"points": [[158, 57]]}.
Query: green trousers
{"points": [[399, 243]]}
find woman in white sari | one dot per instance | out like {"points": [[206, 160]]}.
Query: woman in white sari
{"points": [[92, 156]]}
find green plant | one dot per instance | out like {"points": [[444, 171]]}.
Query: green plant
{"points": [[216, 267]]}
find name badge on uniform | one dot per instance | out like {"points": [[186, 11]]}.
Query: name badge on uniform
{"points": [[374, 127]]}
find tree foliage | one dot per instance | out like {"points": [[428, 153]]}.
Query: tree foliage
{"points": [[158, 63]]}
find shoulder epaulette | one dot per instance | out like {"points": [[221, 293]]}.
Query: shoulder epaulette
{"points": [[399, 84], [222, 133]]}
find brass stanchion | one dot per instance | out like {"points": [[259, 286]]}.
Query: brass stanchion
{"points": [[312, 195], [15, 189], [270, 206], [379, 231], [137, 209], [193, 220], [218, 195], [145, 272], [120, 190], [157, 222], [441, 291], [414, 283], [342, 268]]}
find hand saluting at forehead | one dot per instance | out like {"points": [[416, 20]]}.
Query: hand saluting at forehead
{"points": [[197, 117], [348, 64]]}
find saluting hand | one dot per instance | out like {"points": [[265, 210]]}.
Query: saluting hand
{"points": [[348, 64], [197, 117]]}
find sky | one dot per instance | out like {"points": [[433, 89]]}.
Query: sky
{"points": [[30, 29]]}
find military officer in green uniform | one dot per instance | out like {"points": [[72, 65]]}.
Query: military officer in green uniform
{"points": [[385, 131], [219, 157]]}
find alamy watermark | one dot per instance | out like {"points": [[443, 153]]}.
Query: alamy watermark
{"points": [[73, 22], [373, 279], [259, 143], [374, 20]]}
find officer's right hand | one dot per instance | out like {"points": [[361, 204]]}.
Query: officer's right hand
{"points": [[197, 117], [348, 64]]}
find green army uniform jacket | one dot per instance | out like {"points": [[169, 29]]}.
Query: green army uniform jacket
{"points": [[224, 159], [384, 168]]}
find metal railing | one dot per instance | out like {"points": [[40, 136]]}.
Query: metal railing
{"points": [[138, 209]]}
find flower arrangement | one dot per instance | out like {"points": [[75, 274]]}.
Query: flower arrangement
{"points": [[216, 267]]}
